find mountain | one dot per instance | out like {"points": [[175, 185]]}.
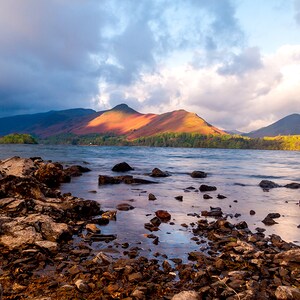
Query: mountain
{"points": [[289, 125], [120, 120], [234, 131], [45, 124]]}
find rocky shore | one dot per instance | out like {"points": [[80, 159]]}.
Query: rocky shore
{"points": [[46, 252]]}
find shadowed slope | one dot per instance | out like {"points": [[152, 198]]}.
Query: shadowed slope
{"points": [[289, 125]]}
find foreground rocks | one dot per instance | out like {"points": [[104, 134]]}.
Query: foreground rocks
{"points": [[46, 249]]}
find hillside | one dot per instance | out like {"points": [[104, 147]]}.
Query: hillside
{"points": [[45, 124], [289, 125], [120, 121]]}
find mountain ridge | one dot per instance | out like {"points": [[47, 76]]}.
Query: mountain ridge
{"points": [[120, 120], [288, 125]]}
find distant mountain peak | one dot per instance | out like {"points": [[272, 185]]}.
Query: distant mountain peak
{"points": [[123, 107]]}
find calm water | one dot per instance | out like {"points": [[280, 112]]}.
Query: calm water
{"points": [[236, 173]]}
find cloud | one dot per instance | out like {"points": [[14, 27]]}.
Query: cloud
{"points": [[54, 54], [264, 93], [297, 10]]}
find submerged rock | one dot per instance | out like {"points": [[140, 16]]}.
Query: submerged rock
{"points": [[124, 207], [207, 188], [293, 185], [267, 184], [151, 197], [159, 173], [198, 174], [163, 215], [122, 167]]}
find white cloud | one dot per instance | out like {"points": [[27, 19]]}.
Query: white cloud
{"points": [[261, 95]]}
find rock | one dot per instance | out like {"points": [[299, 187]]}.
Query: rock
{"points": [[219, 196], [103, 259], [186, 295], [290, 256], [207, 188], [241, 225], [287, 292], [103, 179], [269, 221], [151, 197], [22, 188], [206, 197], [273, 215], [267, 184], [122, 167], [76, 170], [179, 198], [155, 221], [82, 286], [293, 185], [124, 207], [159, 173], [110, 215], [16, 166], [163, 215], [198, 174], [135, 277], [92, 228], [214, 213], [50, 174], [252, 212], [48, 245]]}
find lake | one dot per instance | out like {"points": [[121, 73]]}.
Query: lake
{"points": [[235, 173]]}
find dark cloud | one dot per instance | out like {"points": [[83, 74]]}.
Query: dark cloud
{"points": [[54, 53], [247, 61]]}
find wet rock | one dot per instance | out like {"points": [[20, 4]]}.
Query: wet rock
{"points": [[122, 167], [267, 184], [92, 228], [155, 221], [219, 196], [269, 221], [103, 179], [241, 225], [293, 185], [207, 188], [163, 215], [103, 259], [150, 227], [214, 212], [287, 292], [82, 286], [50, 174], [76, 170], [206, 197], [151, 197], [273, 215], [109, 215], [179, 198], [252, 212], [124, 207], [159, 173], [198, 174]]}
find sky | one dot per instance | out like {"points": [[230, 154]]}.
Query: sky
{"points": [[236, 63]]}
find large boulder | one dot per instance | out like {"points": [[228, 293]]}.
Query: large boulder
{"points": [[17, 166], [50, 174], [22, 231], [76, 170], [22, 187]]}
